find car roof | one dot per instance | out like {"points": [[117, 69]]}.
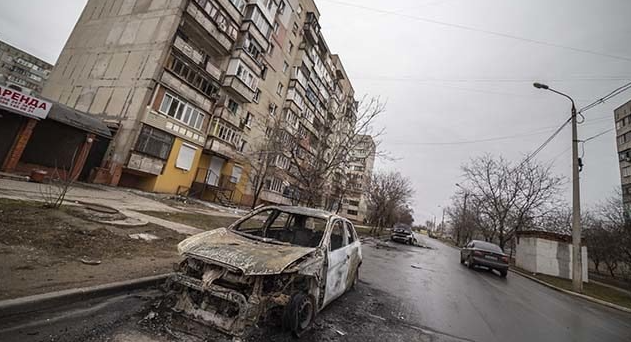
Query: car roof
{"points": [[318, 213]]}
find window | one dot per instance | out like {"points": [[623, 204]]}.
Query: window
{"points": [[292, 118], [257, 96], [352, 212], [246, 75], [154, 142], [239, 4], [272, 109], [233, 107], [285, 67], [295, 29], [182, 111], [290, 47], [236, 174], [279, 88], [241, 147], [299, 10], [226, 133], [282, 162], [185, 157], [281, 7], [264, 72], [248, 120], [254, 14], [274, 184], [270, 49], [337, 236], [350, 232], [626, 171], [276, 27], [354, 203]]}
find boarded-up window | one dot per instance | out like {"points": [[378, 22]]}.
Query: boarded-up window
{"points": [[185, 157], [154, 142]]}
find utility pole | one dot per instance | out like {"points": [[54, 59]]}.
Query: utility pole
{"points": [[577, 268], [464, 214]]}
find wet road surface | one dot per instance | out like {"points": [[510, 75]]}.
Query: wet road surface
{"points": [[406, 293], [439, 293]]}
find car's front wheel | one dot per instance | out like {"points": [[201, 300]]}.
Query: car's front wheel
{"points": [[299, 313]]}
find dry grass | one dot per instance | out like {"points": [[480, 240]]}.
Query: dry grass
{"points": [[591, 289]]}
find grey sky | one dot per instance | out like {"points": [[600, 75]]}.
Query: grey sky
{"points": [[446, 84]]}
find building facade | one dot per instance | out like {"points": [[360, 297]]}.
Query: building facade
{"points": [[622, 116], [190, 89], [355, 205], [22, 71]]}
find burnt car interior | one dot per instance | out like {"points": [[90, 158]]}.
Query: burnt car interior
{"points": [[291, 228]]}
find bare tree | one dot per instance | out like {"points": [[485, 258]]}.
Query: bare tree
{"points": [[53, 193], [509, 197], [389, 197], [264, 155], [317, 157]]}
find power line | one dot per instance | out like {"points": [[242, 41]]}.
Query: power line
{"points": [[545, 143], [609, 96], [489, 80], [489, 32], [597, 135]]}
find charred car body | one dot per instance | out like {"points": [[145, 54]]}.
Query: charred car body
{"points": [[276, 263], [403, 233]]}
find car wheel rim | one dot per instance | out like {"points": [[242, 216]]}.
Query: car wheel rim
{"points": [[305, 314]]}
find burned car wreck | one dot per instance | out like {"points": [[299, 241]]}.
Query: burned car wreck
{"points": [[276, 264]]}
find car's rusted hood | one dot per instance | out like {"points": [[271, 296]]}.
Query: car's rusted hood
{"points": [[250, 256]]}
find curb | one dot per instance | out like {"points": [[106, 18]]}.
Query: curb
{"points": [[579, 295], [50, 300]]}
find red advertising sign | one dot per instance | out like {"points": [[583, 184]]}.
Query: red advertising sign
{"points": [[21, 103]]}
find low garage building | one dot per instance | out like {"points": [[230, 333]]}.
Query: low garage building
{"points": [[547, 252], [36, 134]]}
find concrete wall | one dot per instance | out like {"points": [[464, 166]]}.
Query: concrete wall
{"points": [[548, 257], [112, 60]]}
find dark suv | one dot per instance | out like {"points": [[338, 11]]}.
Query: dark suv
{"points": [[402, 233]]}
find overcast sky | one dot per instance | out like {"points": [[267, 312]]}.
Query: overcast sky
{"points": [[449, 79]]}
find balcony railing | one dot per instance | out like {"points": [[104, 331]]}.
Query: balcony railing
{"points": [[222, 34], [237, 87]]}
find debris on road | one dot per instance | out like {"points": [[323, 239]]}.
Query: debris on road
{"points": [[90, 261], [144, 236]]}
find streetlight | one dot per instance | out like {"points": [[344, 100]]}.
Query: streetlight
{"points": [[577, 270]]}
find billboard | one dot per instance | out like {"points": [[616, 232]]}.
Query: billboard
{"points": [[20, 103]]}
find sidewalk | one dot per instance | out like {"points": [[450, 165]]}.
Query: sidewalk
{"points": [[44, 250]]}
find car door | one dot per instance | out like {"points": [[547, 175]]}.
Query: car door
{"points": [[338, 260], [354, 253]]}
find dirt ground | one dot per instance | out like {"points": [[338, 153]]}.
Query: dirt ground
{"points": [[44, 250], [365, 314]]}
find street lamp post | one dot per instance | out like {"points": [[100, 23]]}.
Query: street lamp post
{"points": [[577, 270], [464, 211]]}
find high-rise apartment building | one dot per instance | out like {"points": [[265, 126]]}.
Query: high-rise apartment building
{"points": [[623, 132], [191, 87], [355, 206], [22, 71]]}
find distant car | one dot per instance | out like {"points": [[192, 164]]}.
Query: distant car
{"points": [[486, 254], [402, 233]]}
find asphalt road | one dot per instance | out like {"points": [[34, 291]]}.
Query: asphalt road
{"points": [[406, 293], [439, 293]]}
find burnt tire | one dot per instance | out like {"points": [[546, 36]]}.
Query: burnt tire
{"points": [[299, 314]]}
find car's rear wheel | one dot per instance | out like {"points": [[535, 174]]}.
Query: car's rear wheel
{"points": [[461, 259], [299, 314], [503, 273], [470, 263]]}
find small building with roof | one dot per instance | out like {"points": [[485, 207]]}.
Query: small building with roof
{"points": [[548, 250]]}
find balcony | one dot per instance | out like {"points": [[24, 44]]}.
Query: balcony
{"points": [[252, 63], [218, 33], [235, 86], [311, 28], [233, 118], [221, 148], [255, 34]]}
